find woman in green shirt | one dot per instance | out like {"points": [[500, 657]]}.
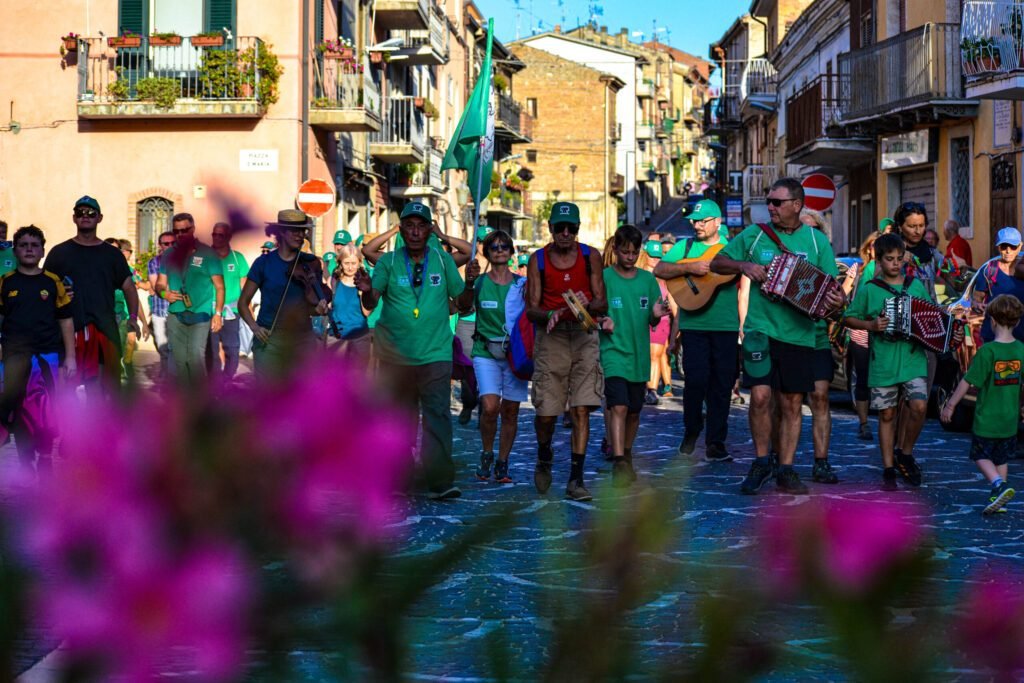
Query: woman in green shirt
{"points": [[500, 390]]}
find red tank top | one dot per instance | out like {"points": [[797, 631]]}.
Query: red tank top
{"points": [[557, 281]]}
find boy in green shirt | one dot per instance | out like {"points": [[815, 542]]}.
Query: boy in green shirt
{"points": [[996, 372], [898, 366], [634, 304]]}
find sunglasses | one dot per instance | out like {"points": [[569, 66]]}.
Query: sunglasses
{"points": [[572, 228], [417, 275], [86, 213], [182, 231], [913, 207], [500, 247], [1008, 246], [776, 202]]}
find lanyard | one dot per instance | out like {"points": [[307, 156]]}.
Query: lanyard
{"points": [[408, 271]]}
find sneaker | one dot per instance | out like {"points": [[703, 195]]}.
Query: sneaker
{"points": [[716, 453], [688, 444], [1000, 497], [666, 390], [651, 398], [738, 400], [773, 458], [501, 472], [449, 493], [864, 433], [483, 472], [621, 477], [577, 491], [788, 481], [823, 473], [759, 473], [908, 468], [542, 472], [889, 479]]}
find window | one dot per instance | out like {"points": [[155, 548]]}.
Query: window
{"points": [[531, 156], [152, 217], [960, 180], [186, 17], [531, 106]]}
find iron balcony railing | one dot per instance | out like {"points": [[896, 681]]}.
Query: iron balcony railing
{"points": [[902, 72], [757, 179], [402, 124], [189, 72], [435, 36], [812, 111], [344, 84], [759, 80], [992, 38], [509, 113]]}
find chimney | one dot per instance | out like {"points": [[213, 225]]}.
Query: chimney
{"points": [[558, 28]]}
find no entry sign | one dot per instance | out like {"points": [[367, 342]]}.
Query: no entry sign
{"points": [[316, 197], [819, 192]]}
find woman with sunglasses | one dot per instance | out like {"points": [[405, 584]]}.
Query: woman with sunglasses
{"points": [[996, 277], [501, 392]]}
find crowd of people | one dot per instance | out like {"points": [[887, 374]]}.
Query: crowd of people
{"points": [[600, 326]]}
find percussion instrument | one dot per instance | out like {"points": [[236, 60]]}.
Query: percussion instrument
{"points": [[920, 321], [579, 311], [793, 279]]}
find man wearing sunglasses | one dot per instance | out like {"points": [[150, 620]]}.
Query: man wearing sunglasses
{"points": [[413, 338], [567, 358], [95, 270], [778, 339]]}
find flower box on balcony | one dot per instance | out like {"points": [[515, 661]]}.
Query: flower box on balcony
{"points": [[418, 102], [70, 44], [376, 57], [124, 41], [206, 41], [345, 53], [164, 40]]}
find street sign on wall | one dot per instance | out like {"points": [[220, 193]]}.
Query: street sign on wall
{"points": [[315, 198], [819, 192]]}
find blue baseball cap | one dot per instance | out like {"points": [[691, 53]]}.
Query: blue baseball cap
{"points": [[1009, 236]]}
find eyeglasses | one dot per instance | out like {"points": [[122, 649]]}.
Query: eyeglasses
{"points": [[417, 275], [776, 202], [1011, 247], [573, 228], [500, 247], [86, 213], [182, 231]]}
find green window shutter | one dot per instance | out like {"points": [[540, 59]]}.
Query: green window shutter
{"points": [[318, 21], [219, 14], [131, 16]]}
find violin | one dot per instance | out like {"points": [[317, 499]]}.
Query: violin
{"points": [[312, 282]]}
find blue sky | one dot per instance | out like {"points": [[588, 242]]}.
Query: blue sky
{"points": [[691, 24]]}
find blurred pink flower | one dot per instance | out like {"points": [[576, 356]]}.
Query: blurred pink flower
{"points": [[846, 544], [991, 630]]}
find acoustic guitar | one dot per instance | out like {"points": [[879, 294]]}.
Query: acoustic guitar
{"points": [[692, 292]]}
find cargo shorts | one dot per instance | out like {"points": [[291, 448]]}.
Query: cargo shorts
{"points": [[889, 397], [566, 370]]}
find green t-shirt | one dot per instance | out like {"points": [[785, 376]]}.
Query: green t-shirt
{"points": [[199, 269], [722, 314], [403, 337], [779, 320], [996, 372], [120, 306], [626, 352], [821, 335], [490, 313], [235, 268], [893, 361], [7, 261], [869, 272]]}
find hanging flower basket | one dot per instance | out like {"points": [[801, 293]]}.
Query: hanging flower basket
{"points": [[124, 41], [207, 41], [70, 44]]}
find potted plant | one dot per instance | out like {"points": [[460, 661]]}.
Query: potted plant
{"points": [[163, 91], [342, 48], [376, 57], [207, 39], [126, 39], [119, 89], [430, 110], [500, 82], [69, 43], [158, 39], [260, 58], [988, 55]]}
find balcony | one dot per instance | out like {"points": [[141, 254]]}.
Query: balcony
{"points": [[757, 180], [426, 181], [722, 115], [345, 99], [645, 131], [757, 87], [992, 49], [665, 129], [510, 120], [401, 14], [813, 136], [663, 166], [170, 81], [419, 46], [645, 170], [402, 137], [913, 76], [645, 89]]}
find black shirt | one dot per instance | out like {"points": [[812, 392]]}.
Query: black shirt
{"points": [[31, 306], [96, 273]]}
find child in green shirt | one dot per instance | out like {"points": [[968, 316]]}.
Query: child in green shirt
{"points": [[996, 372], [899, 368]]}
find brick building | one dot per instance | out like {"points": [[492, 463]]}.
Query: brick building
{"points": [[575, 125]]}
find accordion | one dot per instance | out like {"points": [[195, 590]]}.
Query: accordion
{"points": [[920, 321], [805, 287]]}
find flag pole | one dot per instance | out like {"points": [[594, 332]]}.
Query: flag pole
{"points": [[476, 207]]}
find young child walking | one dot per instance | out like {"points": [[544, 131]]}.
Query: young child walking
{"points": [[996, 373], [899, 368]]}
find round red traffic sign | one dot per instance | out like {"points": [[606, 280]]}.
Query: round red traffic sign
{"points": [[316, 197], [819, 192]]}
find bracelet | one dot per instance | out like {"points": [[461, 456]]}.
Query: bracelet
{"points": [[162, 294], [551, 314]]}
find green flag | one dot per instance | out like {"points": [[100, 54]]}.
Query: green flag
{"points": [[472, 145]]}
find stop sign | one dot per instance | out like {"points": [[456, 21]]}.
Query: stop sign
{"points": [[316, 197], [819, 192]]}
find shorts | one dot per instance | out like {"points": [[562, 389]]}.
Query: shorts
{"points": [[999, 451], [494, 378], [790, 372], [915, 389], [660, 332], [824, 370], [618, 391], [566, 369]]}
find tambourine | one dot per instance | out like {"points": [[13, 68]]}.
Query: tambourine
{"points": [[580, 311]]}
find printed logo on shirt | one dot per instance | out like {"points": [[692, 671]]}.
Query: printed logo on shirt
{"points": [[645, 302], [488, 304], [566, 278], [616, 302], [44, 294], [801, 254], [767, 255], [8, 263], [231, 267], [403, 281], [435, 279], [197, 261], [13, 293], [1007, 373]]}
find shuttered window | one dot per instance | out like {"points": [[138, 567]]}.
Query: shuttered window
{"points": [[318, 21], [218, 14], [131, 16]]}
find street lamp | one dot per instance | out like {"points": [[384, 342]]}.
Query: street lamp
{"points": [[572, 170]]}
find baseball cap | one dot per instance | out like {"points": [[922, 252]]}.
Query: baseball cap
{"points": [[653, 248], [269, 245], [483, 231], [87, 201], [1009, 236], [705, 208], [757, 361], [330, 256], [417, 209], [564, 212], [342, 237], [885, 223]]}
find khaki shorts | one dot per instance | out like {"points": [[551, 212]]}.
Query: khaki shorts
{"points": [[889, 397], [566, 369]]}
